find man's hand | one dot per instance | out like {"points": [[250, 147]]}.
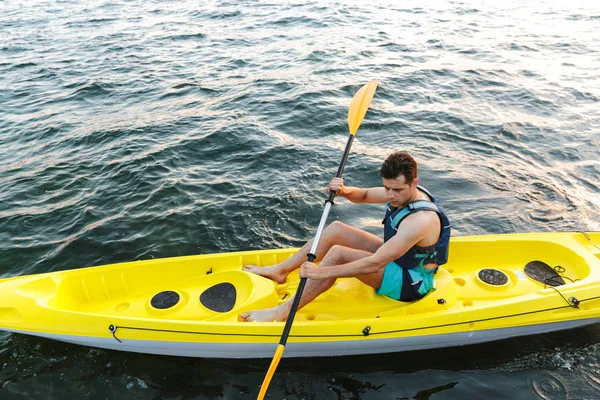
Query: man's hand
{"points": [[311, 271], [337, 185]]}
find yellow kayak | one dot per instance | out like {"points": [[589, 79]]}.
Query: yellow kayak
{"points": [[493, 287]]}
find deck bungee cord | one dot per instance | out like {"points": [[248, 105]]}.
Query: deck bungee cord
{"points": [[571, 303], [552, 282], [589, 238]]}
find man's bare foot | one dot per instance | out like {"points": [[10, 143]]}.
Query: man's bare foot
{"points": [[271, 272], [266, 315]]}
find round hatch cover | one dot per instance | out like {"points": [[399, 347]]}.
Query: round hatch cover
{"points": [[493, 277], [164, 300]]}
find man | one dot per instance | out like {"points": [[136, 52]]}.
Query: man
{"points": [[416, 239]]}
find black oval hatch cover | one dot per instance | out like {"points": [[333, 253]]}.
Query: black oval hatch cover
{"points": [[543, 273], [220, 297], [164, 300]]}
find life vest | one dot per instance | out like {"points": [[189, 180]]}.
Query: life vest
{"points": [[413, 257]]}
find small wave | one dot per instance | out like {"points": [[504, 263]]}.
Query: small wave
{"points": [[520, 47], [89, 89], [584, 96], [481, 80], [187, 36], [224, 15], [465, 11], [235, 63], [396, 47], [185, 85], [18, 66], [15, 49], [298, 20], [63, 243], [49, 205], [317, 56], [101, 20], [568, 48]]}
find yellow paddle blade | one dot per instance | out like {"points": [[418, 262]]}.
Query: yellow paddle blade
{"points": [[359, 105], [270, 372]]}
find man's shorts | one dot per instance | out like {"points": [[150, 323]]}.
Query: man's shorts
{"points": [[400, 283]]}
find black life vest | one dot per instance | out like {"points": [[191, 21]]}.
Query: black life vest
{"points": [[414, 257]]}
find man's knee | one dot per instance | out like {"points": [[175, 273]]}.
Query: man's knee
{"points": [[335, 254], [337, 227]]}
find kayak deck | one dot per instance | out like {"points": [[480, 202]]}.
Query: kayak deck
{"points": [[126, 289]]}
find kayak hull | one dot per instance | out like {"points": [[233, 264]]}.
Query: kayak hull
{"points": [[314, 349], [190, 306]]}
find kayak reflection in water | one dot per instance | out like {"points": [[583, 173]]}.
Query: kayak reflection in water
{"points": [[416, 240]]}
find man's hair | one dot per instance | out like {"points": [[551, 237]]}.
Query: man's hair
{"points": [[399, 163]]}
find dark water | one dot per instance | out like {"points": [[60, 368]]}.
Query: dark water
{"points": [[132, 130]]}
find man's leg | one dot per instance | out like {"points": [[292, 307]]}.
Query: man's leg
{"points": [[336, 255], [337, 233]]}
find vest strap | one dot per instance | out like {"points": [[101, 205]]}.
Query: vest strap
{"points": [[428, 282], [410, 208]]}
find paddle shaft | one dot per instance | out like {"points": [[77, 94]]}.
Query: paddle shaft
{"points": [[313, 250], [358, 108], [310, 257]]}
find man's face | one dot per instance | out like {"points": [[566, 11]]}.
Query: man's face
{"points": [[398, 191]]}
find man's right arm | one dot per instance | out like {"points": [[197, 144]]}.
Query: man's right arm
{"points": [[374, 195]]}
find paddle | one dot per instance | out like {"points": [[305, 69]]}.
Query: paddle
{"points": [[358, 108]]}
